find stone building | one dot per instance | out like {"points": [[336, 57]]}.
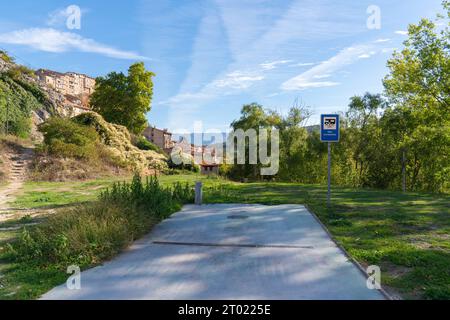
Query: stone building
{"points": [[161, 138], [209, 169], [69, 83]]}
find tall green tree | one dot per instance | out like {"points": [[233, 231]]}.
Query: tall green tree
{"points": [[125, 99], [363, 132], [418, 88], [253, 116], [293, 144]]}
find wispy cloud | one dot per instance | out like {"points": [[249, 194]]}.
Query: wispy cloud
{"points": [[274, 64], [401, 32], [302, 64], [383, 40], [388, 50], [322, 76], [253, 46], [367, 55], [52, 40], [238, 80], [309, 79], [186, 97]]}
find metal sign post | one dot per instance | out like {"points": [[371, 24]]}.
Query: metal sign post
{"points": [[329, 132], [329, 176]]}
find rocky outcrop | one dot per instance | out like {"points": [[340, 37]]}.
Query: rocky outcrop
{"points": [[4, 66]]}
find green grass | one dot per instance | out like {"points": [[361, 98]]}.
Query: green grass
{"points": [[85, 235], [407, 235], [55, 194]]}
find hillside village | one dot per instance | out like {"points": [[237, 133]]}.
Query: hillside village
{"points": [[77, 89], [68, 96]]}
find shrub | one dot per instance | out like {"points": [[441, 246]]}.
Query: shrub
{"points": [[73, 151], [143, 144], [5, 57], [18, 71], [20, 127], [91, 233], [182, 161], [65, 138], [17, 101], [118, 140]]}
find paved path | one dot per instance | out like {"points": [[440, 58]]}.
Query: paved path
{"points": [[228, 252]]}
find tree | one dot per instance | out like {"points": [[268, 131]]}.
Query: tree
{"points": [[293, 143], [363, 131], [253, 116], [418, 87], [420, 74], [125, 99]]}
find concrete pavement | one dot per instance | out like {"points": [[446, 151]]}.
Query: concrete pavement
{"points": [[231, 252]]}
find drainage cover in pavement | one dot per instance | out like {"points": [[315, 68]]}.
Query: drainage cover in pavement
{"points": [[236, 216]]}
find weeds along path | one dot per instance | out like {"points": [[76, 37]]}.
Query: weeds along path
{"points": [[19, 161]]}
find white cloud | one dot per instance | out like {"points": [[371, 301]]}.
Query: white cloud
{"points": [[302, 84], [52, 40], [238, 80], [325, 69], [382, 40], [275, 94], [186, 97], [273, 65], [305, 64], [402, 32], [322, 76], [388, 50]]}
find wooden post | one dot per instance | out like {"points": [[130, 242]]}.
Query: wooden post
{"points": [[404, 171], [198, 193]]}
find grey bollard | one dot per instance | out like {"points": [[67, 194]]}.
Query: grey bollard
{"points": [[198, 193]]}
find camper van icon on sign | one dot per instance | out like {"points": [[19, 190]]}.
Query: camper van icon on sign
{"points": [[330, 123]]}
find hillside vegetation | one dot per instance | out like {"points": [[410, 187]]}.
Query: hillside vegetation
{"points": [[86, 235], [18, 99], [87, 146], [83, 147]]}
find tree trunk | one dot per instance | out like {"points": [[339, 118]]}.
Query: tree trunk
{"points": [[404, 171]]}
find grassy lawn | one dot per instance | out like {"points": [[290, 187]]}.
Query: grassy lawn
{"points": [[54, 194], [407, 235]]}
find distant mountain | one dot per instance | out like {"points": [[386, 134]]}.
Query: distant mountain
{"points": [[311, 129]]}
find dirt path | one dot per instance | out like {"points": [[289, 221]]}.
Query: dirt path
{"points": [[19, 162]]}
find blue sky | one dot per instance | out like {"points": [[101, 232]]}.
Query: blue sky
{"points": [[213, 56]]}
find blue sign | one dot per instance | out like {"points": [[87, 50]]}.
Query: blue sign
{"points": [[329, 128]]}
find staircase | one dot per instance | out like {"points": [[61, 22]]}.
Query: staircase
{"points": [[19, 162]]}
